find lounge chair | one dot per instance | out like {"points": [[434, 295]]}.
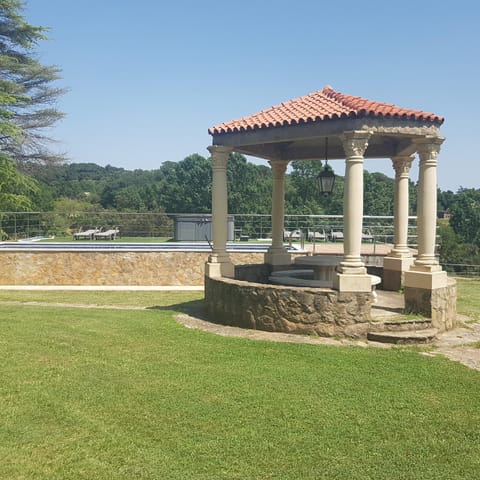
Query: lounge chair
{"points": [[86, 234], [107, 234], [336, 235], [316, 235], [367, 236]]}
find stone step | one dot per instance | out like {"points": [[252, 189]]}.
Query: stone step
{"points": [[405, 337], [403, 325]]}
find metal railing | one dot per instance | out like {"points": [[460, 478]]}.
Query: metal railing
{"points": [[247, 227], [461, 269], [306, 228], [21, 225]]}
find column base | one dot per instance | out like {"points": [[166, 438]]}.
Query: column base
{"points": [[219, 265], [425, 279], [352, 265], [278, 256], [400, 252], [346, 282], [394, 269], [352, 270]]}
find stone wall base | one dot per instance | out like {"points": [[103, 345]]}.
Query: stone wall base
{"points": [[109, 267], [277, 308], [439, 304]]}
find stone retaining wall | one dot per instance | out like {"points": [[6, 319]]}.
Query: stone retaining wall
{"points": [[109, 267], [319, 311]]}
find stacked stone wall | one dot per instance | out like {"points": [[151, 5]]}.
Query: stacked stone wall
{"points": [[107, 267], [324, 312], [438, 304]]}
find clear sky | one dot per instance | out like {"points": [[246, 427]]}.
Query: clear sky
{"points": [[147, 78]]}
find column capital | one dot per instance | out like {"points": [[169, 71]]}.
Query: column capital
{"points": [[219, 149], [279, 167], [219, 155], [402, 164], [428, 149], [355, 143]]}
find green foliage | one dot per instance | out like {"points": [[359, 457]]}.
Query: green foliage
{"points": [[185, 186], [16, 189], [27, 94], [249, 186], [445, 201], [378, 194], [302, 195], [452, 249], [465, 215]]}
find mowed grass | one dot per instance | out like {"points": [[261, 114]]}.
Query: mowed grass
{"points": [[468, 301], [130, 394]]}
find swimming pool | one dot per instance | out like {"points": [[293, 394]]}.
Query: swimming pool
{"points": [[134, 247]]}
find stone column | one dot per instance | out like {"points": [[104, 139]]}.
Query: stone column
{"points": [[277, 254], [428, 151], [219, 263], [426, 275], [400, 258], [352, 275]]}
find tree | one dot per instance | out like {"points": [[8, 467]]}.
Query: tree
{"points": [[444, 202], [186, 185], [465, 219], [249, 186], [16, 189], [452, 250], [378, 194], [27, 94], [302, 195]]}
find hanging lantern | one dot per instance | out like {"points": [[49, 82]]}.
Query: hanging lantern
{"points": [[326, 178]]}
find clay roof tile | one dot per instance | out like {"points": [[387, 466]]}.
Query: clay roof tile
{"points": [[325, 104]]}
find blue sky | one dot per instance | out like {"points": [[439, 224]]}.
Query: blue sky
{"points": [[147, 78]]}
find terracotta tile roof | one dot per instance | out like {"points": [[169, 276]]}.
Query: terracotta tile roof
{"points": [[325, 104]]}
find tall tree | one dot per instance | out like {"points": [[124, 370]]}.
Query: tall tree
{"points": [[249, 186], [465, 219], [186, 185], [378, 194], [27, 92], [16, 189]]}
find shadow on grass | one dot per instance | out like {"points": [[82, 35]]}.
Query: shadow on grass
{"points": [[195, 308]]}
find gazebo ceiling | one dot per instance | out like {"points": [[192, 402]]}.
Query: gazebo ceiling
{"points": [[297, 129]]}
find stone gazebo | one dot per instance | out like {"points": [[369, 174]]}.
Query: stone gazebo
{"points": [[355, 129]]}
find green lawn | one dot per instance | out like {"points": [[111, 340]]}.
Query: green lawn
{"points": [[468, 302], [130, 394]]}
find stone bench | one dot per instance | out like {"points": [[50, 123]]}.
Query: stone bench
{"points": [[296, 278], [305, 278]]}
